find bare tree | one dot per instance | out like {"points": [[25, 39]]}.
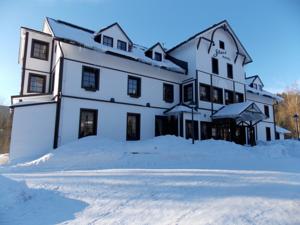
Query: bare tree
{"points": [[5, 128], [286, 109]]}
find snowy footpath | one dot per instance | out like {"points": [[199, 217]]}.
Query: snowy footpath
{"points": [[166, 180]]}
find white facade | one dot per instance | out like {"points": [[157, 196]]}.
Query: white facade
{"points": [[53, 115]]}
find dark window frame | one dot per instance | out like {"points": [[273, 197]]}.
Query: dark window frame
{"points": [[138, 127], [229, 71], [121, 45], [206, 98], [214, 65], [239, 95], [97, 78], [106, 43], [186, 96], [95, 122], [35, 41], [158, 56], [221, 45], [220, 98], [267, 111], [30, 75], [228, 101], [166, 97], [268, 134], [139, 86]]}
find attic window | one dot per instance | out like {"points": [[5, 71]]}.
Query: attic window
{"points": [[221, 44], [122, 45], [108, 41], [157, 56]]}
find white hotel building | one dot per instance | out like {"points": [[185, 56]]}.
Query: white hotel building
{"points": [[77, 82]]}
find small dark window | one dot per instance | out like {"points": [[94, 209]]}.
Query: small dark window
{"points": [[266, 109], [255, 86], [268, 133], [221, 44], [188, 92], [204, 92], [277, 136], [168, 93], [228, 97], [108, 41], [157, 56], [229, 71], [239, 97], [134, 86], [36, 83], [217, 95], [90, 78], [122, 45], [88, 122], [39, 49], [215, 65], [133, 126]]}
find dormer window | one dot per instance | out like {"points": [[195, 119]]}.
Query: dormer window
{"points": [[108, 41], [255, 86], [221, 45], [157, 56], [122, 45]]}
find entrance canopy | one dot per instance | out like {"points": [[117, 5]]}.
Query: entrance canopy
{"points": [[180, 108], [241, 112]]}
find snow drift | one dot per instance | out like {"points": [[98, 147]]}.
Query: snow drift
{"points": [[168, 152]]}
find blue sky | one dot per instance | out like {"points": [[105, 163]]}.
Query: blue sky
{"points": [[270, 30]]}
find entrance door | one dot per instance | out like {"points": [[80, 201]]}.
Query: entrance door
{"points": [[189, 129], [251, 136], [240, 135], [166, 125]]}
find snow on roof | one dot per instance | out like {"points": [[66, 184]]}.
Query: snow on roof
{"points": [[282, 130], [233, 109], [263, 93], [243, 111], [64, 31]]}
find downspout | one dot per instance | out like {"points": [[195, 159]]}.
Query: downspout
{"points": [[58, 105], [24, 63], [274, 119]]}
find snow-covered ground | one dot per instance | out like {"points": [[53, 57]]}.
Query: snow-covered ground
{"points": [[166, 180]]}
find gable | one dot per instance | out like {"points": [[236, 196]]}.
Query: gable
{"points": [[210, 35]]}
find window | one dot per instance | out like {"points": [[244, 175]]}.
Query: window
{"points": [[168, 93], [157, 56], [134, 86], [36, 83], [188, 92], [39, 49], [204, 92], [221, 44], [255, 86], [229, 71], [133, 126], [189, 129], [122, 45], [217, 95], [266, 109], [215, 65], [228, 97], [268, 133], [88, 122], [239, 97], [108, 41], [90, 78]]}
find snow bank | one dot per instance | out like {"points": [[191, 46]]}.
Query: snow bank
{"points": [[167, 152], [20, 204]]}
